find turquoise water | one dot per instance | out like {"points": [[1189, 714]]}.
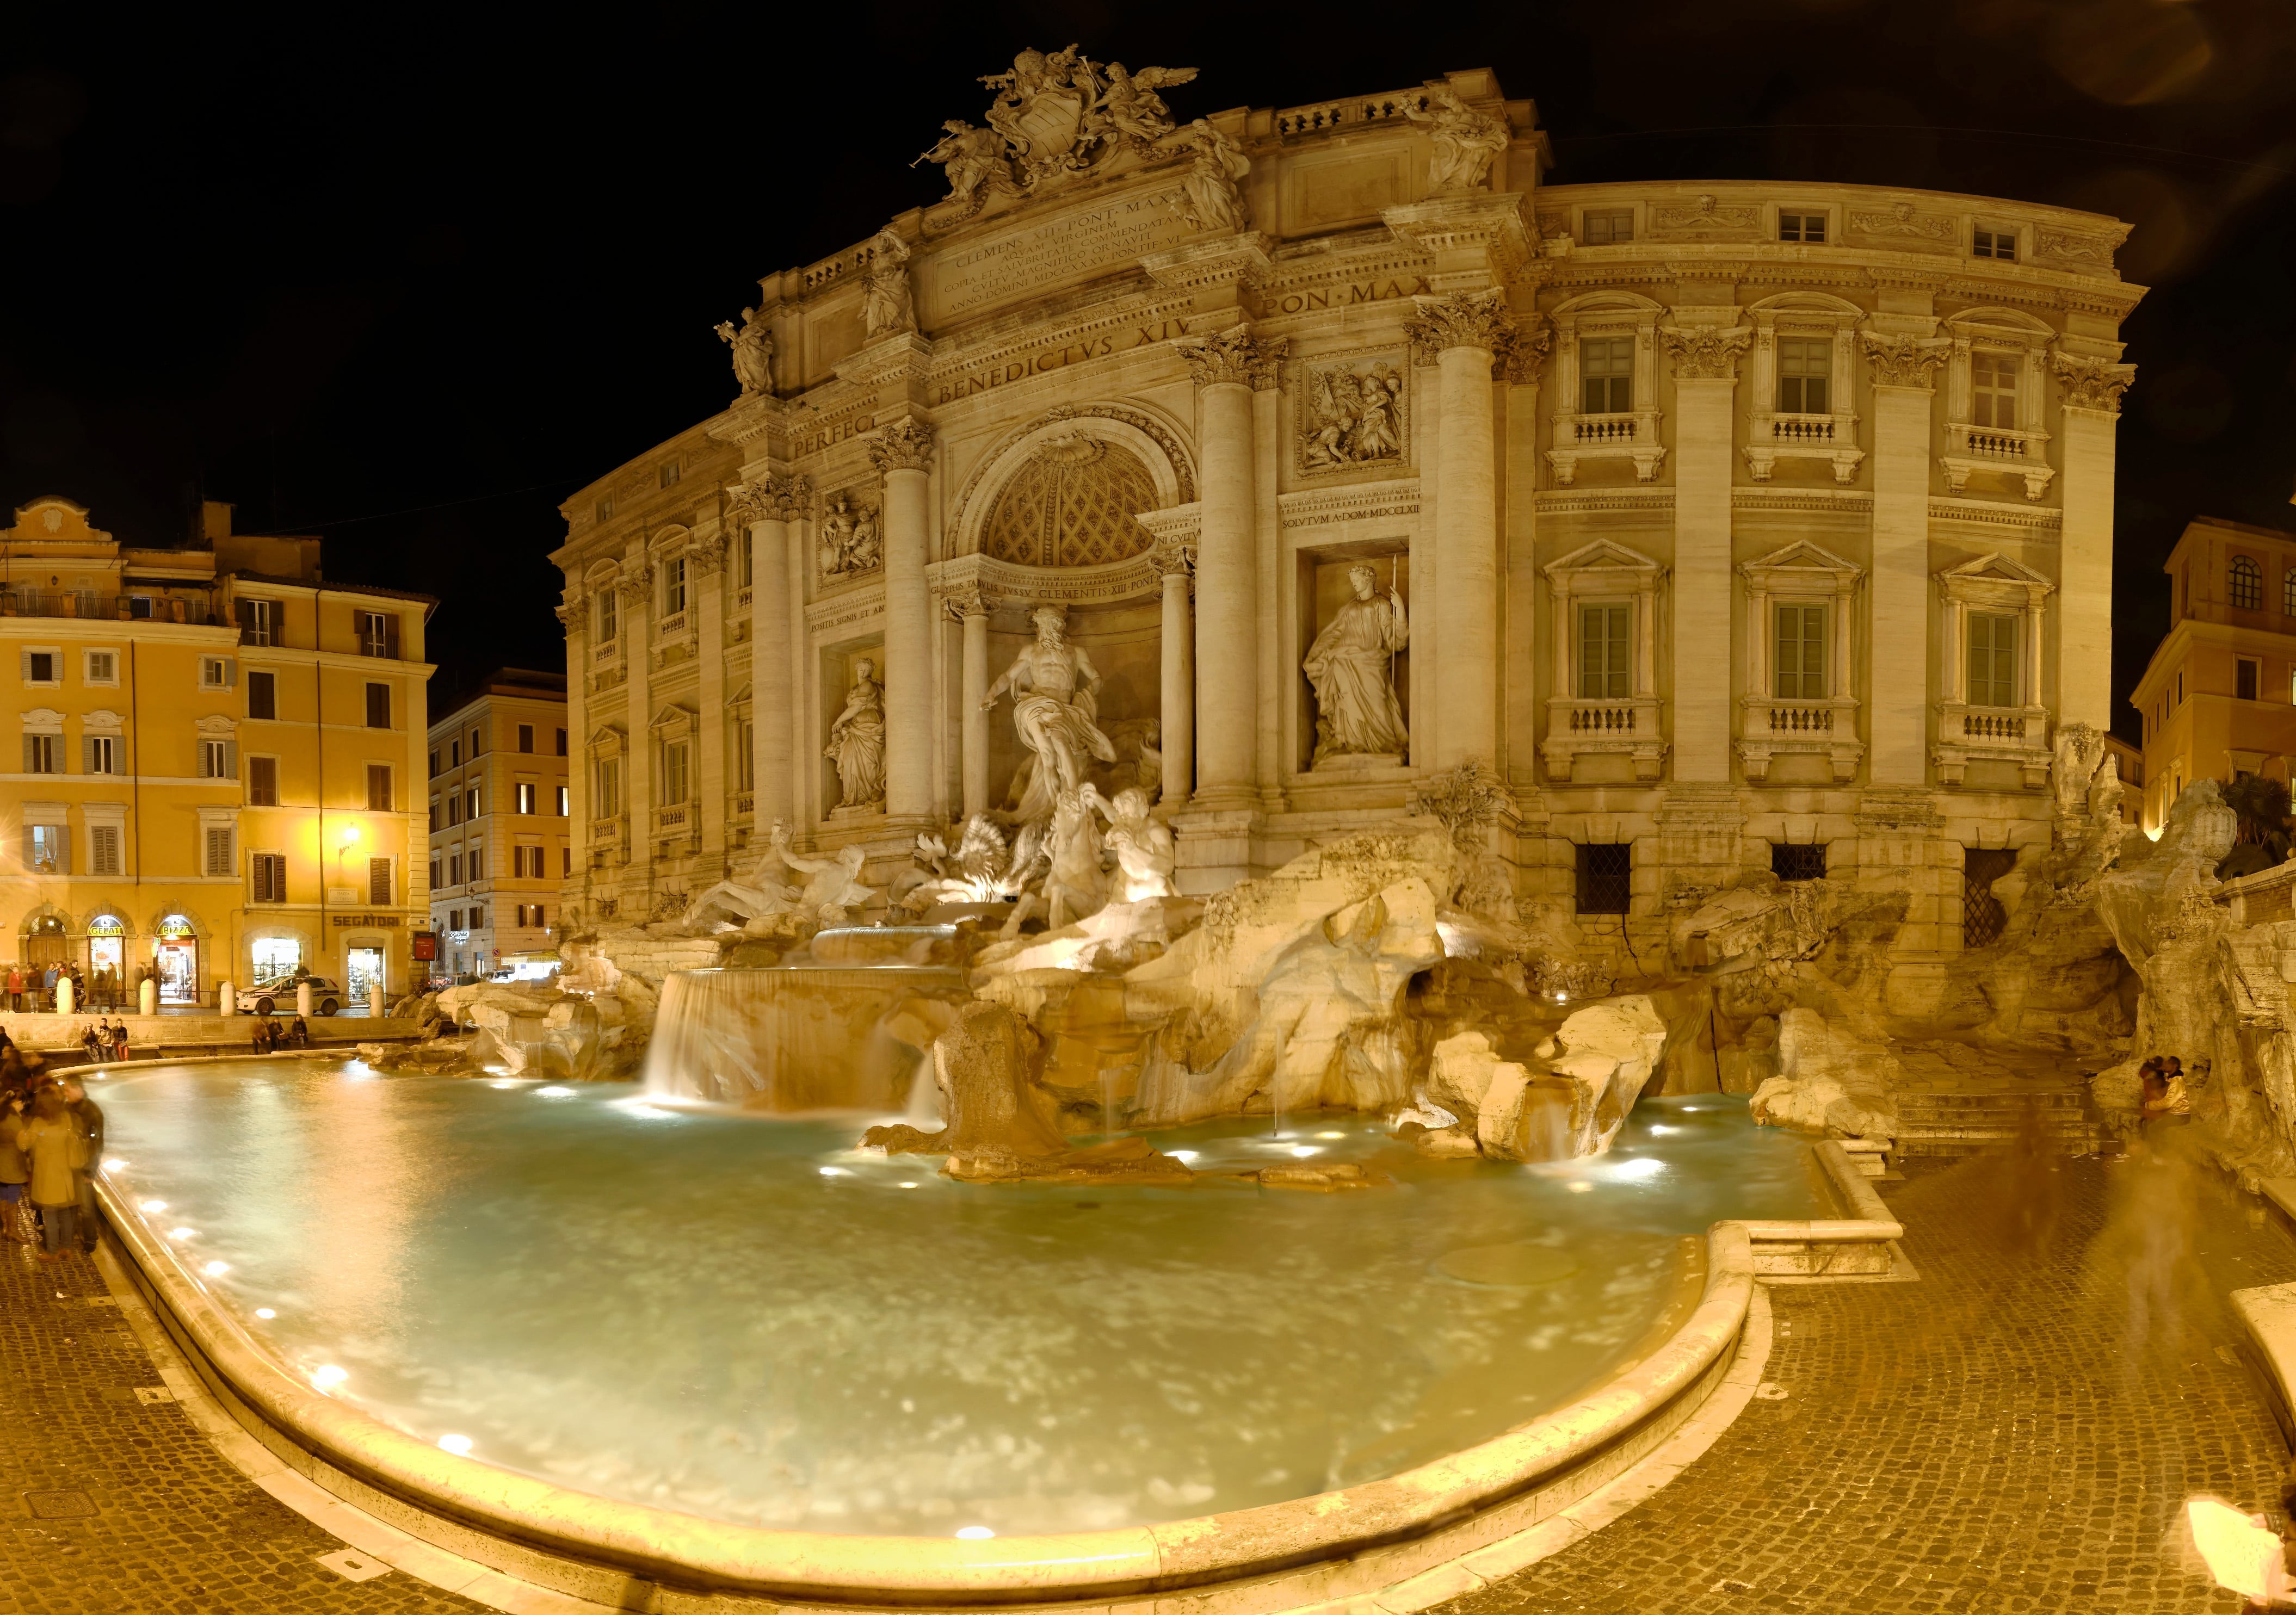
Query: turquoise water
{"points": [[749, 1320]]}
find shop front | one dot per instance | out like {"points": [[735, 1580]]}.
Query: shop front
{"points": [[176, 960]]}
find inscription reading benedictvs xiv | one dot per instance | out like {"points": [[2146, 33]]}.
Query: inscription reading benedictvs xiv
{"points": [[1010, 265]]}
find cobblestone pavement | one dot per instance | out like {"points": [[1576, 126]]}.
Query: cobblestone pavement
{"points": [[2017, 1432], [175, 1529]]}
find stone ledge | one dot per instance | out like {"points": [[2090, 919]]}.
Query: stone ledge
{"points": [[2269, 1314]]}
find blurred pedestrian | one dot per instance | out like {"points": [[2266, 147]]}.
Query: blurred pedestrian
{"points": [[15, 1215], [298, 1035], [88, 1115], [53, 1141], [16, 987]]}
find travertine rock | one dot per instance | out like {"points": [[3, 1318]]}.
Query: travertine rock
{"points": [[1571, 1102], [1833, 1085]]}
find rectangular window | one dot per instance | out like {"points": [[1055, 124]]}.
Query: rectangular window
{"points": [[566, 860], [455, 869], [1606, 375], [454, 918], [219, 859], [269, 873], [40, 667], [670, 473], [1805, 368], [563, 802], [1798, 661], [673, 774], [1606, 876], [377, 787], [1992, 659], [453, 811], [476, 864], [1993, 390], [610, 780], [1791, 861], [378, 881], [1995, 243], [745, 759], [378, 634], [47, 848], [1608, 226], [263, 781], [474, 745], [2245, 675], [262, 694], [259, 621], [673, 585], [455, 754], [218, 759], [478, 916], [1801, 226], [102, 753], [434, 874], [103, 849], [434, 815], [471, 803], [1603, 647], [216, 672], [605, 616], [40, 753], [526, 737], [526, 798], [561, 733], [102, 667], [378, 706], [434, 764]]}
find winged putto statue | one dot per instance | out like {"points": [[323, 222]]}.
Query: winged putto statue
{"points": [[1057, 114]]}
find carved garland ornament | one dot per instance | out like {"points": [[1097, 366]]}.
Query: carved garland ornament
{"points": [[2090, 384], [1706, 352], [1465, 319], [1234, 355], [1903, 361], [906, 445]]}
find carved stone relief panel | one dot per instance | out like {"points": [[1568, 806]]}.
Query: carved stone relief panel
{"points": [[1905, 228], [1354, 412], [1706, 218], [849, 540]]}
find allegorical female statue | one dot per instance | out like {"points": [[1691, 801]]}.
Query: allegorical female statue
{"points": [[857, 741], [1352, 666]]}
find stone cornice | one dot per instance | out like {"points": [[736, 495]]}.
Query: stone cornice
{"points": [[902, 355], [1393, 499], [1494, 227], [1224, 262], [749, 420]]}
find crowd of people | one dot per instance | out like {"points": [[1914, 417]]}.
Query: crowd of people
{"points": [[33, 986], [270, 1036], [51, 1139], [103, 1041], [2163, 1101]]}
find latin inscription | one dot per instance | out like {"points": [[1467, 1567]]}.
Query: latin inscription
{"points": [[1012, 266], [828, 435], [1348, 296], [971, 381]]}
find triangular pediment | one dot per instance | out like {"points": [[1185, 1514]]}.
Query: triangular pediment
{"points": [[608, 734], [1603, 556], [1994, 569], [1803, 556]]}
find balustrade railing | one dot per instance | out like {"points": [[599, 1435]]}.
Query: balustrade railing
{"points": [[1803, 428], [1995, 726], [1340, 114], [1592, 717], [1799, 718], [1598, 430]]}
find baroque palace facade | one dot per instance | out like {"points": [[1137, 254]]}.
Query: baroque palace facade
{"points": [[1736, 526]]}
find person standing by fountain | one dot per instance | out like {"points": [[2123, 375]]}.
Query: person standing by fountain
{"points": [[856, 742], [53, 1141], [87, 1116]]}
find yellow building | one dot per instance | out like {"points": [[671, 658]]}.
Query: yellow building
{"points": [[499, 830], [2218, 699], [216, 757]]}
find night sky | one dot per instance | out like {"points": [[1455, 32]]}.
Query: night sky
{"points": [[406, 279]]}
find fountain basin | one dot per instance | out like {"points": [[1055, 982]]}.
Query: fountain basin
{"points": [[383, 1453]]}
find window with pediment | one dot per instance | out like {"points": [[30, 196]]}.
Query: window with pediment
{"points": [[1797, 700], [1993, 381], [1989, 707], [1798, 393], [1602, 712], [1072, 503], [1605, 364]]}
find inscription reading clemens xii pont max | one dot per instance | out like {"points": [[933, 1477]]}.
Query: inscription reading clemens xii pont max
{"points": [[971, 278]]}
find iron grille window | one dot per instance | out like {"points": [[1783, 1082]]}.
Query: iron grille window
{"points": [[1983, 917], [2247, 583], [1606, 878], [1790, 861]]}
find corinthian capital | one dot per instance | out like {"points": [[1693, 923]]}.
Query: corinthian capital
{"points": [[636, 583], [1903, 361], [1465, 319], [768, 499], [967, 601], [906, 445], [569, 613], [708, 554], [1708, 352], [1523, 352], [2091, 383], [745, 502], [1232, 355]]}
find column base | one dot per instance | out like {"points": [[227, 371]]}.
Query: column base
{"points": [[1215, 841]]}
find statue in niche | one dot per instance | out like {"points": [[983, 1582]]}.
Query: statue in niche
{"points": [[1146, 854], [1352, 666], [856, 742], [1466, 140], [1055, 712], [1214, 202], [849, 543], [886, 305], [1357, 418], [753, 352]]}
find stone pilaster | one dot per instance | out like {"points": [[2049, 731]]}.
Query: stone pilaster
{"points": [[1465, 330], [637, 755], [1176, 708], [1705, 379], [970, 611], [1519, 636], [903, 454], [1898, 693], [574, 616], [767, 506], [2092, 414], [705, 566]]}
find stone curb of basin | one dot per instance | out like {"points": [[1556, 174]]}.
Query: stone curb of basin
{"points": [[1379, 1541]]}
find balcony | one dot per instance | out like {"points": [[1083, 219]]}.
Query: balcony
{"points": [[1832, 438], [1992, 734], [606, 651], [606, 829], [1629, 727], [745, 805], [741, 598], [1632, 435], [119, 608], [1997, 451], [1823, 727], [672, 626]]}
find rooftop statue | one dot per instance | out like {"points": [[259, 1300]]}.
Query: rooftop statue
{"points": [[1214, 202], [1056, 114], [753, 352], [1466, 140], [886, 305]]}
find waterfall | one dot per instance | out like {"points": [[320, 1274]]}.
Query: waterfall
{"points": [[785, 1040]]}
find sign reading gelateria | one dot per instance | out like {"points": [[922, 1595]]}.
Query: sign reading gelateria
{"points": [[979, 274]]}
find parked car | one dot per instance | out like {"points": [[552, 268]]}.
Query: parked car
{"points": [[265, 996]]}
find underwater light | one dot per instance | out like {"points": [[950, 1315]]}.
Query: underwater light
{"points": [[908, 1185], [555, 1092], [1581, 1187], [505, 1082], [973, 1533], [1181, 1155], [216, 1269], [1645, 1166], [459, 1446], [327, 1375], [1658, 1129], [264, 1312], [1305, 1150], [154, 1205], [834, 1172], [114, 1164], [1331, 1135], [182, 1233]]}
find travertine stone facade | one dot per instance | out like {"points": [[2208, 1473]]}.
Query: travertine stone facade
{"points": [[1695, 496]]}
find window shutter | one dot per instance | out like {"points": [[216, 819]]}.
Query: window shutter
{"points": [[28, 847], [231, 759], [24, 666], [88, 754], [390, 635], [244, 611], [63, 850], [31, 758], [230, 673]]}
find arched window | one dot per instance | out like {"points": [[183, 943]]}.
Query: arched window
{"points": [[2247, 583], [2288, 592]]}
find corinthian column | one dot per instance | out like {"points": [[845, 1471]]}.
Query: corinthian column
{"points": [[1705, 378], [972, 614], [1465, 329], [767, 507], [2092, 415], [1227, 367], [902, 452], [1176, 713]]}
